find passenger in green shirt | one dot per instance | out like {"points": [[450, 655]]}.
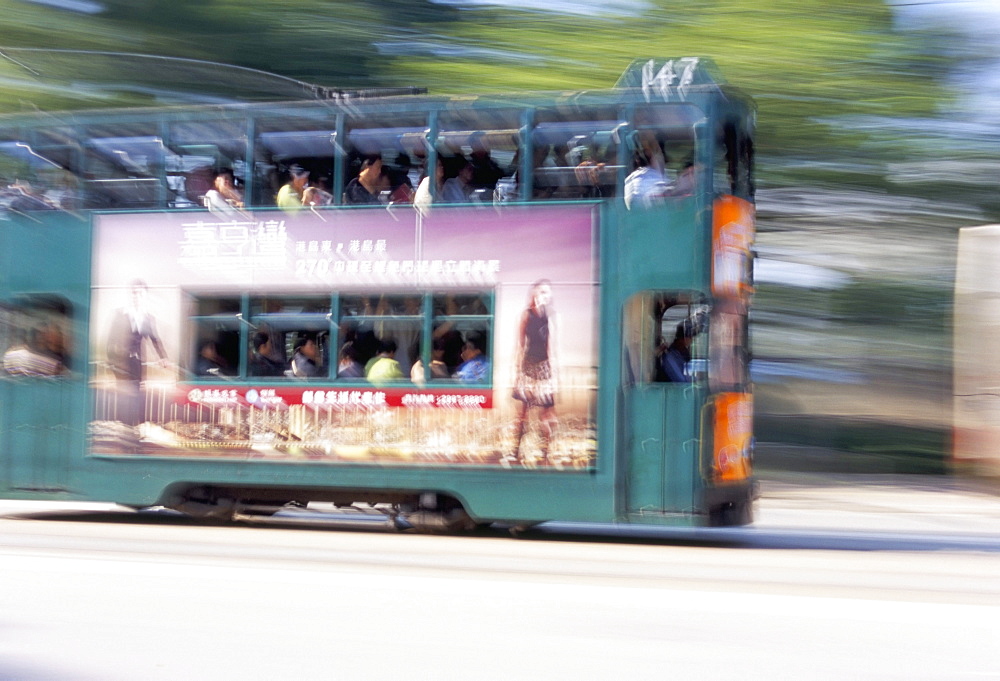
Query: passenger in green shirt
{"points": [[383, 368], [290, 195]]}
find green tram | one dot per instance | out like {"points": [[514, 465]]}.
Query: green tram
{"points": [[233, 307]]}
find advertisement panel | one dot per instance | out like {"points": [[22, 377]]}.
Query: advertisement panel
{"points": [[341, 307]]}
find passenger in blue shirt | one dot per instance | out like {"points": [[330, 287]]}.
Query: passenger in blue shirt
{"points": [[673, 359], [475, 367]]}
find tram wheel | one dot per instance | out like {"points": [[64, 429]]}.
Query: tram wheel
{"points": [[732, 514], [222, 509]]}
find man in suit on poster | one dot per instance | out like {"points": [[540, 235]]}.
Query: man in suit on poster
{"points": [[132, 328]]}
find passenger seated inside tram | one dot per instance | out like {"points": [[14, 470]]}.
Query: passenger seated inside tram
{"points": [[686, 181], [452, 159], [347, 364], [422, 199], [262, 362], [209, 363], [475, 366], [367, 187], [400, 185], [291, 194], [305, 361], [383, 367], [589, 170], [438, 368], [318, 193], [649, 182], [672, 360], [458, 189], [39, 355], [485, 171], [224, 198]]}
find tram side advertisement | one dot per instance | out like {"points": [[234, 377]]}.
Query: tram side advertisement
{"points": [[522, 394]]}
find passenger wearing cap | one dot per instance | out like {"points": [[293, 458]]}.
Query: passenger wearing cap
{"points": [[290, 195], [674, 358]]}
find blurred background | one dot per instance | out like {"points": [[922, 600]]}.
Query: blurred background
{"points": [[878, 140]]}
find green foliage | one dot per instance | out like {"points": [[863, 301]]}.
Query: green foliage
{"points": [[894, 305], [841, 445], [805, 60]]}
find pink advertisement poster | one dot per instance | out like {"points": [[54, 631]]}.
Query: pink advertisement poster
{"points": [[374, 336]]}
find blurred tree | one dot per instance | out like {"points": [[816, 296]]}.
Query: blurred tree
{"points": [[808, 62]]}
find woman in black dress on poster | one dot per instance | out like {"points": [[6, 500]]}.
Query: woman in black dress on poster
{"points": [[537, 377]]}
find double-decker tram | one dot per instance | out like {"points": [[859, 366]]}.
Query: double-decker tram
{"points": [[455, 311]]}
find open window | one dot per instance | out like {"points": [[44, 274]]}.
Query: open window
{"points": [[36, 177], [665, 338], [734, 164], [477, 150], [462, 338], [298, 334], [123, 166], [398, 143], [289, 148], [575, 152], [200, 150], [35, 336], [215, 350]]}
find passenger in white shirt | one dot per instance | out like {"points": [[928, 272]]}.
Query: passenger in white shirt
{"points": [[649, 182]]}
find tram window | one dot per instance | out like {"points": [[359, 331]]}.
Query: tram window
{"points": [[36, 178], [575, 153], [217, 349], [124, 171], [286, 321], [399, 143], [664, 138], [462, 326], [665, 339], [214, 349], [289, 146], [289, 305], [35, 336], [201, 149], [214, 306], [663, 156], [340, 336], [734, 161], [486, 142], [369, 322]]}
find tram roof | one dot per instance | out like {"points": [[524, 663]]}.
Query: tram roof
{"points": [[694, 80]]}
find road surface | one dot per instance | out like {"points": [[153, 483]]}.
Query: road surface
{"points": [[906, 585]]}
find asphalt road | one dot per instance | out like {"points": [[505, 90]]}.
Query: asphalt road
{"points": [[841, 578]]}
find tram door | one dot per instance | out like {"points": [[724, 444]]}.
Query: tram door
{"points": [[662, 417]]}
